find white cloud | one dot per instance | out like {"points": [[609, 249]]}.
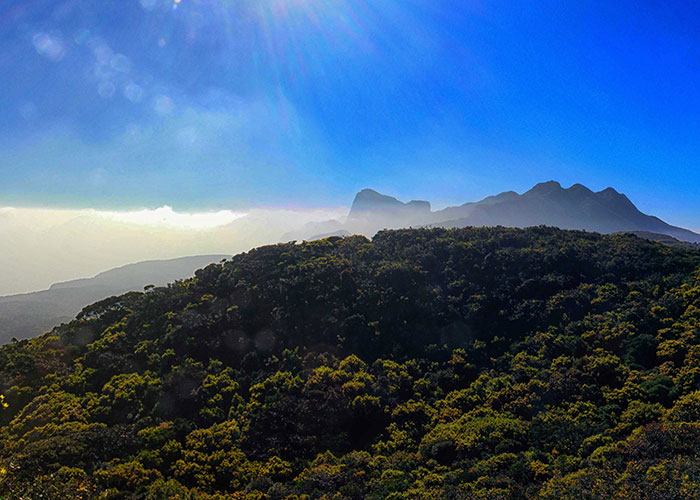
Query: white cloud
{"points": [[166, 217]]}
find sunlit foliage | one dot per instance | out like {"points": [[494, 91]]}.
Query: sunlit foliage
{"points": [[425, 364]]}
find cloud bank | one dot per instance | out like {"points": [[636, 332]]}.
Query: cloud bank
{"points": [[40, 247]]}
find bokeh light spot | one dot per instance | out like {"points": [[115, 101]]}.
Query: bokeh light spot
{"points": [[121, 63], [163, 105], [106, 89], [49, 46], [133, 92]]}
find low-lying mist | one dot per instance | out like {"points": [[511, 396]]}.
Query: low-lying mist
{"points": [[42, 246]]}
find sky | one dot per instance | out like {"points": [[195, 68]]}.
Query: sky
{"points": [[218, 107]]}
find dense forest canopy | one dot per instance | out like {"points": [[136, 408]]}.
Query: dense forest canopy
{"points": [[482, 363]]}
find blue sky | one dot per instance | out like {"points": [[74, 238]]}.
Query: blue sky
{"points": [[228, 104]]}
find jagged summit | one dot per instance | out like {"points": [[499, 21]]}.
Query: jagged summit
{"points": [[611, 195], [369, 200], [608, 191], [579, 188], [544, 188]]}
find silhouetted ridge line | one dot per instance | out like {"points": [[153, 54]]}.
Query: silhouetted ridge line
{"points": [[547, 203]]}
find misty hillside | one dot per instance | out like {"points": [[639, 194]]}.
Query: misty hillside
{"points": [[548, 203], [466, 364], [30, 314]]}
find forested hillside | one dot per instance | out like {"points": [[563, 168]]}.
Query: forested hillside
{"points": [[484, 363]]}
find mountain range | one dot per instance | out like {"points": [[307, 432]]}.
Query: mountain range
{"points": [[547, 203]]}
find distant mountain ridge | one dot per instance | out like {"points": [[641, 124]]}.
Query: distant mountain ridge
{"points": [[576, 207], [664, 239], [547, 203], [29, 314]]}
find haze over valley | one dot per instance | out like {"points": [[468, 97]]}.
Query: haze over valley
{"points": [[41, 247]]}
